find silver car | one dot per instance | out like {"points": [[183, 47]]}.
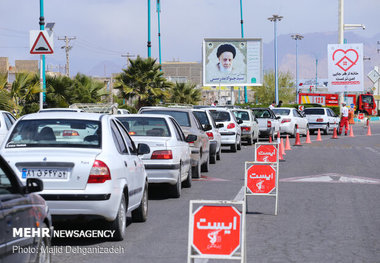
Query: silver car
{"points": [[169, 159], [88, 163], [321, 118], [250, 126], [6, 122]]}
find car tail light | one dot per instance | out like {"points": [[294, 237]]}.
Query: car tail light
{"points": [[210, 135], [285, 120], [269, 124], [231, 126], [246, 129], [99, 173], [132, 133], [319, 120], [70, 133], [162, 154]]}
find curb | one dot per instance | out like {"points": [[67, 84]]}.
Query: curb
{"points": [[371, 119]]}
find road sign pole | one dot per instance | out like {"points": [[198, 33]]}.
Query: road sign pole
{"points": [[42, 64]]}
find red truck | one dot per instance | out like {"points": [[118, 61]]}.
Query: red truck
{"points": [[363, 102]]}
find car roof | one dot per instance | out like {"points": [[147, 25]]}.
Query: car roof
{"points": [[63, 115], [145, 116], [285, 108], [61, 109], [166, 108]]}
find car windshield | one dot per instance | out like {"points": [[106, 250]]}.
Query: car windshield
{"points": [[220, 116], [367, 98], [55, 133], [181, 117], [261, 113], [282, 112], [202, 117], [314, 111], [243, 115], [146, 126]]}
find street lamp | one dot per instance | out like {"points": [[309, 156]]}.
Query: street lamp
{"points": [[274, 19], [159, 29], [149, 43], [297, 37], [242, 36]]}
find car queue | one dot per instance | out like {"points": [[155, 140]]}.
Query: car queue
{"points": [[100, 166]]}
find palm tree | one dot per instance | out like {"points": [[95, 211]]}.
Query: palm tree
{"points": [[25, 87], [185, 93], [3, 81], [144, 80], [87, 90], [58, 91]]}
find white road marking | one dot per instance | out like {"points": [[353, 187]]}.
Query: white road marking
{"points": [[332, 178], [240, 195]]}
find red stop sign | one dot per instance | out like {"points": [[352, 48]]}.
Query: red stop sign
{"points": [[261, 178], [216, 230], [266, 153]]}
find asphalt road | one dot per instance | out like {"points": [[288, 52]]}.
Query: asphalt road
{"points": [[329, 209]]}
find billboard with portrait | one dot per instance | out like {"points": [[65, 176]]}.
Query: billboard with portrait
{"points": [[232, 62]]}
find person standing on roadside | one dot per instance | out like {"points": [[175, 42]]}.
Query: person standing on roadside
{"points": [[343, 119], [273, 105]]}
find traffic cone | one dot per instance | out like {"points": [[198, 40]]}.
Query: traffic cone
{"points": [[287, 143], [369, 130], [319, 138], [335, 135], [298, 141], [270, 137], [351, 132], [308, 137], [282, 146], [278, 137], [280, 156]]}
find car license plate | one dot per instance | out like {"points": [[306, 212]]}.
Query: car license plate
{"points": [[48, 173]]}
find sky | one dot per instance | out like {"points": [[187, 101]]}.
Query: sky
{"points": [[107, 29]]}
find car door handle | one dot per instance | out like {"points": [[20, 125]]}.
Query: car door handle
{"points": [[125, 163], [135, 163]]}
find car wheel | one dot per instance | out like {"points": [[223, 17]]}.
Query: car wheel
{"points": [[175, 190], [239, 145], [43, 255], [326, 131], [205, 165], [234, 147], [213, 158], [119, 224], [196, 173], [188, 181], [219, 153], [140, 214]]}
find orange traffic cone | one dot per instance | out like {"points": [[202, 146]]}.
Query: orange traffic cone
{"points": [[319, 138], [270, 137], [298, 141], [287, 143], [278, 137], [369, 130], [280, 156], [282, 146], [308, 137], [351, 132], [335, 135]]}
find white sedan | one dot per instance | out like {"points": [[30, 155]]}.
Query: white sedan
{"points": [[321, 118], [290, 119], [169, 160], [249, 127], [6, 122], [88, 163]]}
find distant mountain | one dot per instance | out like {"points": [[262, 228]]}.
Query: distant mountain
{"points": [[104, 69]]}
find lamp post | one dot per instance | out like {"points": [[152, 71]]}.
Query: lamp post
{"points": [[42, 59], [274, 19], [297, 37], [159, 29], [242, 36], [149, 43]]}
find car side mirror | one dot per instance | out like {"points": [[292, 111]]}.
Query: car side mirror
{"points": [[191, 138], [34, 185], [240, 121], [220, 125], [278, 117], [143, 148], [207, 127]]}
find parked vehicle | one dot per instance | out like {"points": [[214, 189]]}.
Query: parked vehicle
{"points": [[169, 159], [22, 208], [212, 131], [6, 122], [122, 111], [269, 123], [88, 163], [231, 131], [249, 127], [321, 118], [290, 119], [189, 125]]}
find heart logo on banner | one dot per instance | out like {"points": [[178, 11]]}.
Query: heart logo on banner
{"points": [[346, 58]]}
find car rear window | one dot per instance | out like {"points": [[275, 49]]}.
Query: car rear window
{"points": [[202, 117], [220, 116], [282, 112], [180, 116], [259, 113], [243, 115], [145, 126], [56, 133], [314, 111]]}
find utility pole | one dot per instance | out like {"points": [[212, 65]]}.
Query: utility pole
{"points": [[127, 56], [67, 49]]}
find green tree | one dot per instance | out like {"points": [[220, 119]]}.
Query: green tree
{"points": [[185, 93], [143, 80], [24, 88], [266, 94], [87, 90], [58, 93], [3, 81]]}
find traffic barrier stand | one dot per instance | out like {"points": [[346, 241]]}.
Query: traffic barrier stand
{"points": [[351, 132], [319, 138], [298, 141], [308, 137], [369, 130], [335, 135], [287, 143], [282, 147]]}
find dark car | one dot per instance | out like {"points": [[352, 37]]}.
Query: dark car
{"points": [[21, 212]]}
